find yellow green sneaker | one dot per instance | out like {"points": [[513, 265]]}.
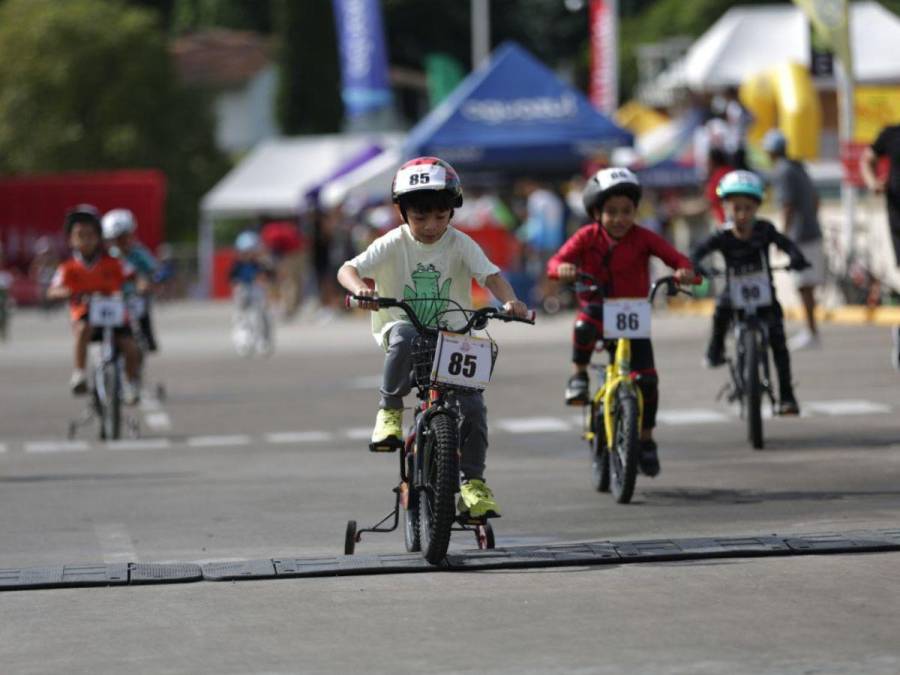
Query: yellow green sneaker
{"points": [[476, 499], [388, 433]]}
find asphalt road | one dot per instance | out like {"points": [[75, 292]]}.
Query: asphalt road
{"points": [[252, 458]]}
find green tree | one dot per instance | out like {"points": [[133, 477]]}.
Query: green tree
{"points": [[88, 85], [309, 96]]}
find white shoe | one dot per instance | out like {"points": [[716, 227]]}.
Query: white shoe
{"points": [[78, 383], [804, 340], [131, 392]]}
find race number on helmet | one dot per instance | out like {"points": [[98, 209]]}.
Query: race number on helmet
{"points": [[426, 173], [607, 183]]}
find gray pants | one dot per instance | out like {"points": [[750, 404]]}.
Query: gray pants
{"points": [[395, 384]]}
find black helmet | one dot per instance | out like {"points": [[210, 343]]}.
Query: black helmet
{"points": [[607, 183], [83, 213]]}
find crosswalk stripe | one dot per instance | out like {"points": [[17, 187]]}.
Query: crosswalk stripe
{"points": [[299, 436], [358, 433], [213, 441], [691, 416], [57, 446], [138, 444], [532, 425], [847, 407]]}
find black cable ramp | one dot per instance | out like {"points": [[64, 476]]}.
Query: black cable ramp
{"points": [[511, 557]]}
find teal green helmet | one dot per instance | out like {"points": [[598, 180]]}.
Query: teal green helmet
{"points": [[744, 183]]}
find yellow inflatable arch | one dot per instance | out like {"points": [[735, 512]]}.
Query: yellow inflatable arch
{"points": [[785, 97]]}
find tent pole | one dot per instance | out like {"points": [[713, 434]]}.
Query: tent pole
{"points": [[206, 247], [481, 30]]}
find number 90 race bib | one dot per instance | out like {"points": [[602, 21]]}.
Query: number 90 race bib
{"points": [[462, 360], [626, 318], [750, 290]]}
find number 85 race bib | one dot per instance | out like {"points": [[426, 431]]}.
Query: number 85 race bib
{"points": [[626, 318], [462, 360]]}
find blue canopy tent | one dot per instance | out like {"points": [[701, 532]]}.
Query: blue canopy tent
{"points": [[514, 113]]}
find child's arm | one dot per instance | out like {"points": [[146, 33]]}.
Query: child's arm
{"points": [[58, 290], [501, 290], [798, 261], [348, 277], [704, 248], [684, 268]]}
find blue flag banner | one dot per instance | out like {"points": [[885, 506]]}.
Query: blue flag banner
{"points": [[364, 68]]}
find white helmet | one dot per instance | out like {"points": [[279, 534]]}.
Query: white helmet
{"points": [[607, 183], [118, 222]]}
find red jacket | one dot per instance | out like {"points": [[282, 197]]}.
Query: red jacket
{"points": [[622, 266]]}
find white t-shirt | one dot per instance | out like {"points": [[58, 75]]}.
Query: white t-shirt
{"points": [[405, 268]]}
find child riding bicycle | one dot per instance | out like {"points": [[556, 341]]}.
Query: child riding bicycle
{"points": [[251, 276], [429, 263], [616, 252], [744, 243], [119, 226], [92, 270]]}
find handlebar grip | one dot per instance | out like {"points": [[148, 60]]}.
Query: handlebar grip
{"points": [[350, 302]]}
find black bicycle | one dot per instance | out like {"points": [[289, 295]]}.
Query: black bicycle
{"points": [[106, 372], [446, 362], [750, 374]]}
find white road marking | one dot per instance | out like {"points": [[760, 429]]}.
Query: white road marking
{"points": [[358, 433], [365, 382], [57, 446], [299, 436], [138, 444], [533, 425], [115, 542], [847, 407], [212, 441], [158, 420], [691, 416], [2, 448]]}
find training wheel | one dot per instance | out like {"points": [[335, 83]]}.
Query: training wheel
{"points": [[350, 538], [484, 534]]}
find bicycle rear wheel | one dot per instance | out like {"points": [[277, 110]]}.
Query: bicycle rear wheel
{"points": [[623, 456], [752, 389], [437, 509], [599, 453]]}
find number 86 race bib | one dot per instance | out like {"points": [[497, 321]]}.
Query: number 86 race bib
{"points": [[626, 318]]}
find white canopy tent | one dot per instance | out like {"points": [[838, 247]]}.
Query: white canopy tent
{"points": [[746, 40], [274, 179], [369, 182]]}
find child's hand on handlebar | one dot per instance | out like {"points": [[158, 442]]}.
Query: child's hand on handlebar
{"points": [[567, 272], [366, 292], [686, 276], [517, 308]]}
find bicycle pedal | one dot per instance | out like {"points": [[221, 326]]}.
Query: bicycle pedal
{"points": [[387, 445]]}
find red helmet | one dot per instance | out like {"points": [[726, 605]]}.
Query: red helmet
{"points": [[427, 173]]}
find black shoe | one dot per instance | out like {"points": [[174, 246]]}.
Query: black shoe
{"points": [[788, 406], [577, 389], [649, 459], [714, 359]]}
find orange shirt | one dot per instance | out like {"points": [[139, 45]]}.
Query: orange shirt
{"points": [[105, 275]]}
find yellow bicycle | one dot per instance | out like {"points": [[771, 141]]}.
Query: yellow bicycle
{"points": [[613, 419]]}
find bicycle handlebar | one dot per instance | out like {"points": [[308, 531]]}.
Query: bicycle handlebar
{"points": [[716, 272], [478, 318], [673, 286]]}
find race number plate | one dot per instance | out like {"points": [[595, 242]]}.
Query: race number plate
{"points": [[462, 360], [751, 290], [626, 318], [107, 312]]}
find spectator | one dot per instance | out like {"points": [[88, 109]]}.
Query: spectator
{"points": [[799, 202], [42, 268], [544, 229], [717, 166], [887, 145], [739, 122], [288, 248]]}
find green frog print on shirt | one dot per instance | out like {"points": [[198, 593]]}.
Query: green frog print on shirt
{"points": [[425, 285]]}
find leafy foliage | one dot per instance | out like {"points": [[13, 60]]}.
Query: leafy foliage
{"points": [[88, 85]]}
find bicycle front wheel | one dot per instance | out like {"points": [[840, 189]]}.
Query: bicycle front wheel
{"points": [[437, 510], [110, 403], [599, 453], [752, 389], [623, 456]]}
